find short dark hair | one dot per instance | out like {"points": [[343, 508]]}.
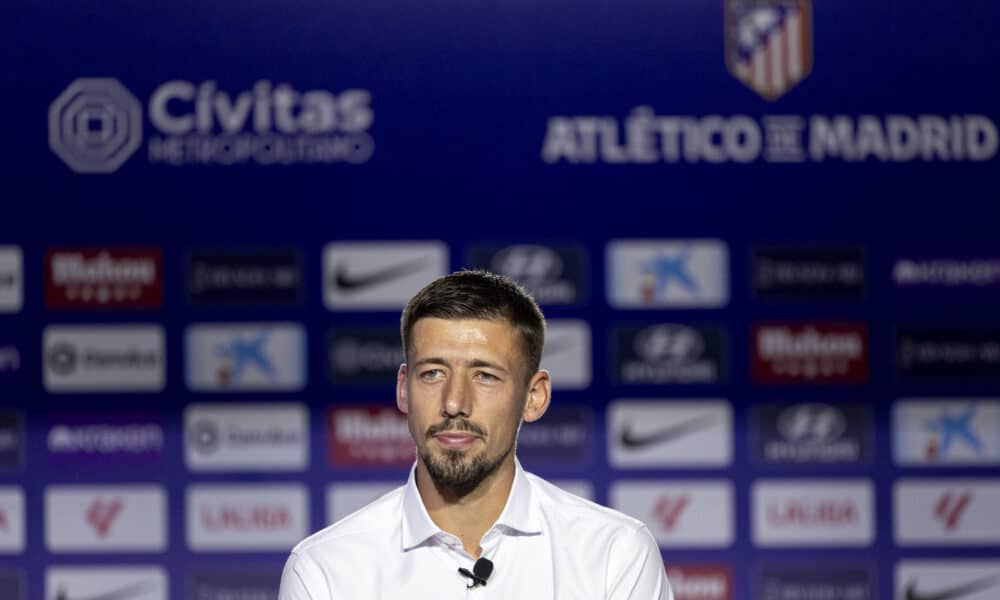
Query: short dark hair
{"points": [[480, 295]]}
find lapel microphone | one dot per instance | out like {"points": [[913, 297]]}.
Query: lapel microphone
{"points": [[481, 571]]}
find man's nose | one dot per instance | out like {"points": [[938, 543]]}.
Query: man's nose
{"points": [[457, 400]]}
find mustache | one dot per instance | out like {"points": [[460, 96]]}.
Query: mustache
{"points": [[453, 424]]}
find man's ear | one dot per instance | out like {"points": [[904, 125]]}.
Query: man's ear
{"points": [[402, 402], [539, 396]]}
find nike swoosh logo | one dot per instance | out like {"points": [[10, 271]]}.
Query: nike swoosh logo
{"points": [[353, 282], [123, 593], [953, 592], [630, 439]]}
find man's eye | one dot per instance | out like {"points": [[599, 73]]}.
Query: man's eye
{"points": [[487, 376], [432, 374]]}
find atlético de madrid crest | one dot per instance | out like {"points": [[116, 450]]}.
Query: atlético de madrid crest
{"points": [[769, 43]]}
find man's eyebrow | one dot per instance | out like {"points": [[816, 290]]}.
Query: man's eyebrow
{"points": [[432, 360], [474, 363], [478, 362]]}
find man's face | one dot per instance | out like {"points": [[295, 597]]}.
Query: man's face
{"points": [[465, 392]]}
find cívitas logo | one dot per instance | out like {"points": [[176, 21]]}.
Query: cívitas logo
{"points": [[96, 124]]}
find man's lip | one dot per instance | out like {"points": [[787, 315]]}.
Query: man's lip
{"points": [[453, 438]]}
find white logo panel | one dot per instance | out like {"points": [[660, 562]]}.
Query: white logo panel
{"points": [[813, 512], [237, 357], [105, 518], [947, 580], [379, 275], [947, 512], [946, 432], [567, 355], [102, 582], [660, 433], [668, 273], [11, 520], [679, 512], [111, 358], [246, 518], [11, 279], [246, 437], [342, 499]]}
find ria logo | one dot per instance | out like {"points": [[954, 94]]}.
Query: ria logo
{"points": [[668, 510], [102, 514], [949, 508], [95, 125]]}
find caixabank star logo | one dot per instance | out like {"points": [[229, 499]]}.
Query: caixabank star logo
{"points": [[95, 125], [769, 44]]}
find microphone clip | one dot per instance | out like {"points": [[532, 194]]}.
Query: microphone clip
{"points": [[476, 579]]}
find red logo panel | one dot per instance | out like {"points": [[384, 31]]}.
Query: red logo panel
{"points": [[813, 352], [95, 278]]}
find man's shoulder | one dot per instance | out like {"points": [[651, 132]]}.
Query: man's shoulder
{"points": [[559, 504], [372, 522]]}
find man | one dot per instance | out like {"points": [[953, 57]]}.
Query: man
{"points": [[473, 342]]}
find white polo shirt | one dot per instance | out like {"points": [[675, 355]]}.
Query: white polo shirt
{"points": [[546, 544]]}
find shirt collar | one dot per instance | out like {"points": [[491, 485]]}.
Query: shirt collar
{"points": [[519, 516]]}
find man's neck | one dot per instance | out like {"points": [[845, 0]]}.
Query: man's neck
{"points": [[470, 516]]}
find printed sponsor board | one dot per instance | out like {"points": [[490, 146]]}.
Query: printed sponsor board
{"points": [[680, 512], [379, 275], [104, 358], [567, 353], [923, 352], [367, 356], [242, 357], [369, 436], [667, 273], [246, 517], [246, 437], [811, 433], [105, 439], [552, 273], [695, 433], [813, 512], [105, 518], [808, 273], [946, 432], [809, 353], [103, 581], [670, 353], [12, 520], [107, 278], [947, 579], [229, 277], [946, 512]]}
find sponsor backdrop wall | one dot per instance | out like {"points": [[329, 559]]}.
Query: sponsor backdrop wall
{"points": [[764, 232]]}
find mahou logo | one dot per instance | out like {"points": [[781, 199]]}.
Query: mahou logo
{"points": [[103, 278], [369, 437], [701, 581], [809, 353]]}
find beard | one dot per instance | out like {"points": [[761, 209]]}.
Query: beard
{"points": [[453, 470]]}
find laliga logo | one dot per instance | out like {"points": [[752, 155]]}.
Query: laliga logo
{"points": [[95, 125]]}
